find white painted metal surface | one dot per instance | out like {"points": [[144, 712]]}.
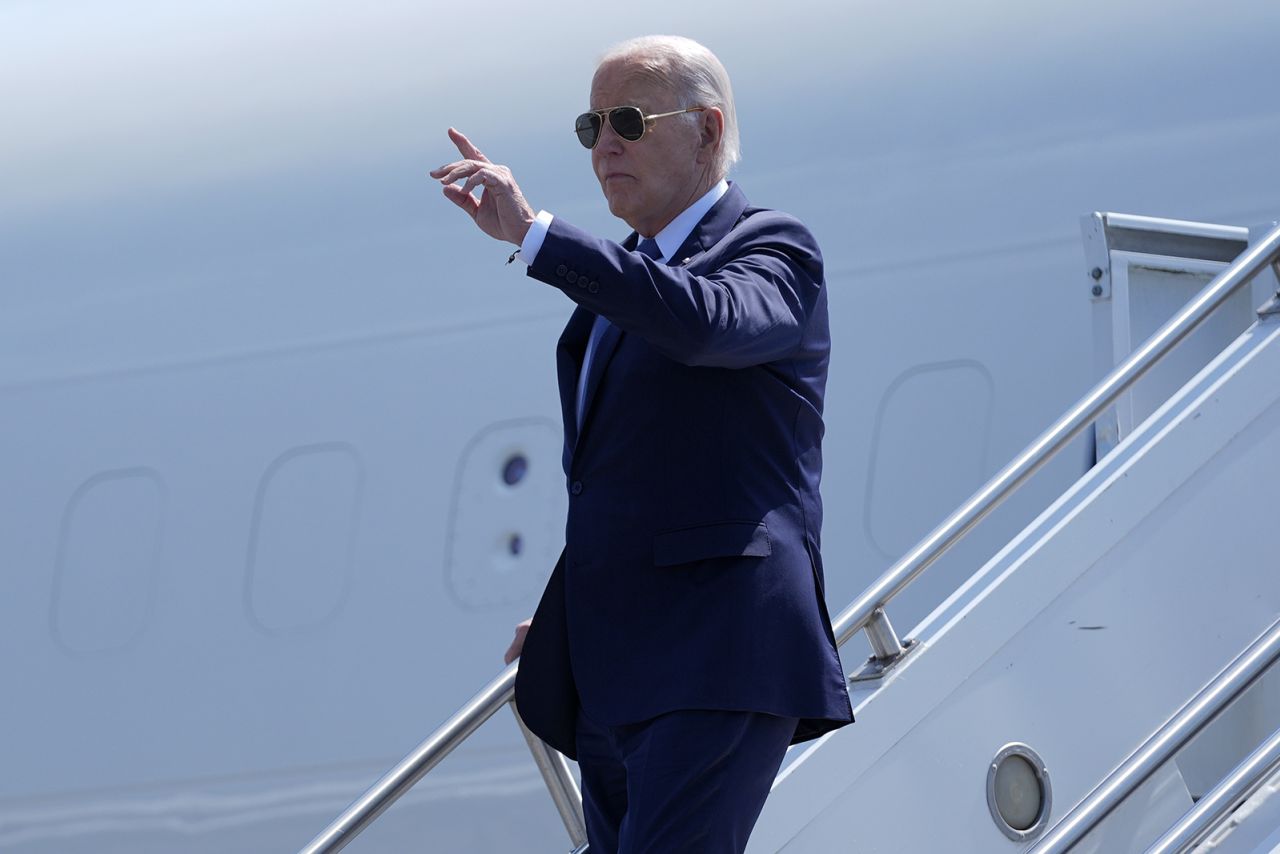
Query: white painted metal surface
{"points": [[1078, 639]]}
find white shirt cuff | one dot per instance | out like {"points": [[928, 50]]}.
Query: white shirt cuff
{"points": [[533, 238]]}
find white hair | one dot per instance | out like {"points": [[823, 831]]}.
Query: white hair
{"points": [[695, 75]]}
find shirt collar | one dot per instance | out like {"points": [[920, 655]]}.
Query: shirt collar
{"points": [[671, 238]]}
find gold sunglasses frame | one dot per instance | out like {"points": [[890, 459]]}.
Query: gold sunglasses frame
{"points": [[645, 121]]}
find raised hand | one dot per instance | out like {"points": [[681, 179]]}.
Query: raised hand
{"points": [[501, 210]]}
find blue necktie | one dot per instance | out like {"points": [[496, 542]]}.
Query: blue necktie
{"points": [[649, 247]]}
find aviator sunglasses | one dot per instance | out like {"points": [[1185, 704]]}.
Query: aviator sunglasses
{"points": [[627, 122]]}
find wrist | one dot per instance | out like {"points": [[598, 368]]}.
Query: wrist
{"points": [[522, 230], [535, 231]]}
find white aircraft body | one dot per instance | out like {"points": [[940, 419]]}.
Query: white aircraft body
{"points": [[281, 459]]}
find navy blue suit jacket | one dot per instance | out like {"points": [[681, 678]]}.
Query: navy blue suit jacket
{"points": [[691, 576]]}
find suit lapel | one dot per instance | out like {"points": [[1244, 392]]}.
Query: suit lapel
{"points": [[604, 352], [569, 352], [605, 348]]}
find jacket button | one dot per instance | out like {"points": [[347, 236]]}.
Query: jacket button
{"points": [[561, 270], [576, 488], [594, 287], [572, 277]]}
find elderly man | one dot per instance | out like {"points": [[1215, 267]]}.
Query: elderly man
{"points": [[682, 641]]}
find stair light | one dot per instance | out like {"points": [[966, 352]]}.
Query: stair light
{"points": [[1018, 792]]}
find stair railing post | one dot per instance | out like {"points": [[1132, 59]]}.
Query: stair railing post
{"points": [[560, 783], [884, 640]]}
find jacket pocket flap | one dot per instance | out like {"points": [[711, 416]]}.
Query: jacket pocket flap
{"points": [[721, 539]]}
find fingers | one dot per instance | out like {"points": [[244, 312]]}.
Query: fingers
{"points": [[517, 645], [477, 175], [462, 199], [482, 178], [453, 171], [465, 147], [469, 152], [475, 172]]}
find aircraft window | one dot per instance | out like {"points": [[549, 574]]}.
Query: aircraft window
{"points": [[302, 535], [108, 561]]}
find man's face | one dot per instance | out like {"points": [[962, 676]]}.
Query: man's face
{"points": [[647, 182]]}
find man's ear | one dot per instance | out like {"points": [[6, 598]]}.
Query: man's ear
{"points": [[712, 130]]}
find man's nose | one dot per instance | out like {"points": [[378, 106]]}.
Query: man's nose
{"points": [[609, 140]]}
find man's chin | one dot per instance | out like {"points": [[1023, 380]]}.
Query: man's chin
{"points": [[619, 206]]}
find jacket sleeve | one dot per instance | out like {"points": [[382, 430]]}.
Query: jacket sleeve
{"points": [[752, 308]]}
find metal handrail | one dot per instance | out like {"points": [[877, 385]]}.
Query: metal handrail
{"points": [[560, 783], [1239, 785], [414, 767], [427, 755], [1200, 711], [868, 609]]}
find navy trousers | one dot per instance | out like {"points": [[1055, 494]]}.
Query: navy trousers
{"points": [[685, 781]]}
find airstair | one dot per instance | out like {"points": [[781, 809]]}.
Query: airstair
{"points": [[1103, 683]]}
